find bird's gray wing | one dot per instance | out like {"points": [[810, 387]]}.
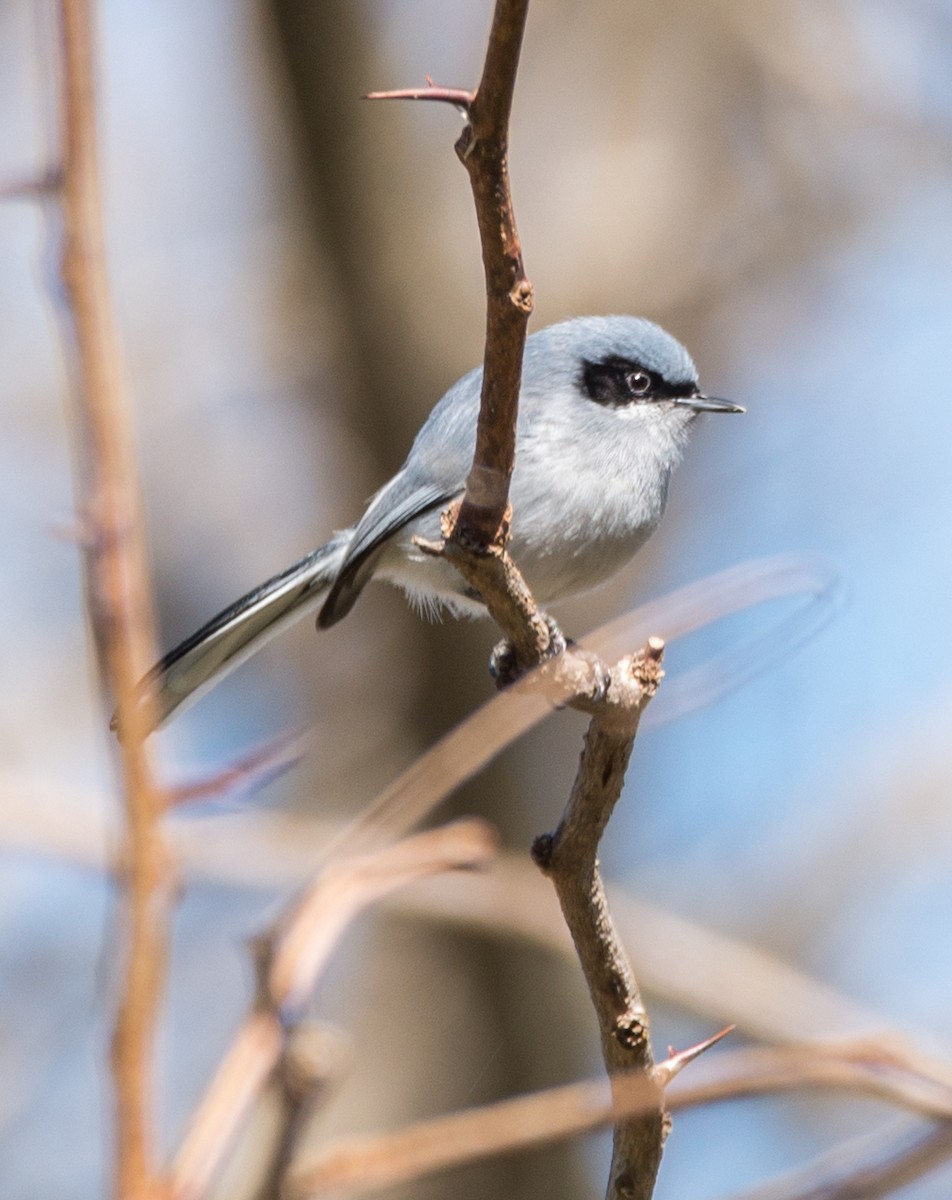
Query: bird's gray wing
{"points": [[387, 515]]}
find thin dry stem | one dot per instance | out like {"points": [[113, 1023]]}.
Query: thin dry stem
{"points": [[290, 959], [34, 187], [868, 1167], [479, 525], [458, 97], [313, 1061], [251, 770], [237, 1084], [303, 939], [475, 535], [118, 599], [359, 1165], [569, 856], [483, 149], [367, 1164]]}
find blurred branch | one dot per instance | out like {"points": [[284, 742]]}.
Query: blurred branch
{"points": [[569, 856], [360, 1165], [872, 1166], [297, 949], [117, 597], [290, 960], [314, 1059], [244, 774], [36, 187], [241, 1077], [686, 963], [499, 722], [367, 1164]]}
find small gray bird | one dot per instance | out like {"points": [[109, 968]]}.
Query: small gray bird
{"points": [[604, 412]]}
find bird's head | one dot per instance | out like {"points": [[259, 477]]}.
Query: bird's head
{"points": [[632, 366]]}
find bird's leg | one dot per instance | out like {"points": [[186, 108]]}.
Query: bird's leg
{"points": [[505, 667]]}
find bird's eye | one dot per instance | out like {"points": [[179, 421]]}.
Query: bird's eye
{"points": [[638, 382]]}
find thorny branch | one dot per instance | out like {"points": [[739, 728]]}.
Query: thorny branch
{"points": [[480, 525], [475, 535], [117, 596], [476, 530], [356, 1166], [569, 856]]}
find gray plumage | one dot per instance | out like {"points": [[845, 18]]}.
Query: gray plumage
{"points": [[604, 412]]}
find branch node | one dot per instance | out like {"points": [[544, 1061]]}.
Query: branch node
{"points": [[461, 535], [523, 297], [645, 667], [623, 1185], [465, 144], [425, 546], [631, 1032], [543, 851]]}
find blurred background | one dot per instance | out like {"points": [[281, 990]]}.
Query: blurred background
{"points": [[297, 279]]}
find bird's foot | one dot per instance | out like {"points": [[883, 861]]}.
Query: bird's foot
{"points": [[504, 665]]}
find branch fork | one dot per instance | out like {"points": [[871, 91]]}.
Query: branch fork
{"points": [[475, 533]]}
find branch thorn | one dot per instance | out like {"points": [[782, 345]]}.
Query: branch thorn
{"points": [[458, 97], [676, 1061]]}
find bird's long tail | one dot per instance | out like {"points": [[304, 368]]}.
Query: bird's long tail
{"points": [[221, 645]]}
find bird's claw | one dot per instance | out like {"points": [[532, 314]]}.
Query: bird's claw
{"points": [[504, 665]]}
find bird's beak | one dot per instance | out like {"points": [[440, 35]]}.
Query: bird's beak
{"points": [[708, 404]]}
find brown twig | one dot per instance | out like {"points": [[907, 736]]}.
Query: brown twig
{"points": [[475, 534], [290, 959], [476, 530], [241, 1077], [569, 856], [483, 149], [118, 598], [314, 1059], [873, 1165], [366, 1164]]}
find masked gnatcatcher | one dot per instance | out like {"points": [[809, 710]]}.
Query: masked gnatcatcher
{"points": [[604, 412]]}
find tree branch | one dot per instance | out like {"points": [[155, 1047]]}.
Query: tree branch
{"points": [[358, 1165], [314, 1059], [476, 530], [35, 187], [290, 959], [483, 149], [870, 1166], [569, 856], [475, 534], [117, 596]]}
